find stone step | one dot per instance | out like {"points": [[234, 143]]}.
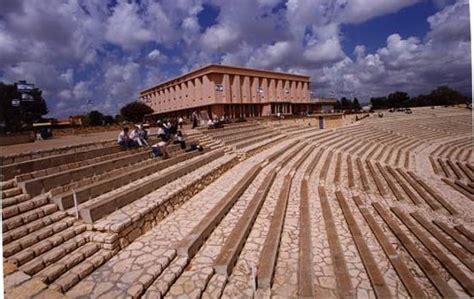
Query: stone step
{"points": [[249, 138], [45, 245], [420, 258], [8, 202], [76, 164], [254, 139], [83, 182], [228, 255], [51, 257], [343, 279], [14, 169], [88, 192], [398, 262], [4, 185], [380, 287], [40, 185], [30, 216], [23, 207], [464, 280], [54, 271], [103, 206], [191, 243], [72, 276], [34, 237], [11, 192]]}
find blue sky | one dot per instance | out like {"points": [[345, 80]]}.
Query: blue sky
{"points": [[106, 51]]}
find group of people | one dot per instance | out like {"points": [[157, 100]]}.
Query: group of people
{"points": [[137, 137], [168, 132]]}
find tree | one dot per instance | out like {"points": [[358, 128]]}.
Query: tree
{"points": [[30, 109], [356, 105], [379, 103], [443, 95], [93, 118], [109, 120], [346, 104], [135, 111], [398, 99]]}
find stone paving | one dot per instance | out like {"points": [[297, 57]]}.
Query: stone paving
{"points": [[149, 231]]}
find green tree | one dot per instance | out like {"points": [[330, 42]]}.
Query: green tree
{"points": [[14, 118], [379, 102], [346, 104], [109, 120], [443, 95], [93, 118], [135, 111], [356, 105], [398, 99]]}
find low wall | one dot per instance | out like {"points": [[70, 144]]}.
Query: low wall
{"points": [[17, 138]]}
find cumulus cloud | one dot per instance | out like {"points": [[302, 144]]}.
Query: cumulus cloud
{"points": [[106, 51]]}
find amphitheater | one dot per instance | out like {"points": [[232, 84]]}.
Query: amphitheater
{"points": [[378, 208]]}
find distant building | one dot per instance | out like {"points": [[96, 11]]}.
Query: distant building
{"points": [[232, 91]]}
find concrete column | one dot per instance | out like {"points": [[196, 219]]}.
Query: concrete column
{"points": [[272, 91], [264, 97], [246, 90], [279, 90], [226, 96], [208, 88], [286, 90], [306, 92], [198, 89], [253, 90], [298, 91], [191, 94], [236, 94], [293, 91]]}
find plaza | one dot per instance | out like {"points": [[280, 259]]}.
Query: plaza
{"points": [[379, 207]]}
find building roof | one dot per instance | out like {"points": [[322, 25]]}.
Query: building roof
{"points": [[222, 68]]}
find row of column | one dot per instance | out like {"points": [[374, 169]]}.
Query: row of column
{"points": [[246, 89]]}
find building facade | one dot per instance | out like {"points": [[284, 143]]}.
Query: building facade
{"points": [[231, 91]]}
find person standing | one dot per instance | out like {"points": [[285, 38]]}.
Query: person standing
{"points": [[180, 122], [195, 119]]}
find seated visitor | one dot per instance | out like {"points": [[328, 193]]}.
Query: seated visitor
{"points": [[124, 139], [135, 136], [179, 139], [210, 124]]}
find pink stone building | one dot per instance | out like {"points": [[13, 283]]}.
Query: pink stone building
{"points": [[232, 91]]}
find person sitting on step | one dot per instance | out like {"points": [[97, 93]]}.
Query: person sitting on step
{"points": [[124, 139], [179, 139]]}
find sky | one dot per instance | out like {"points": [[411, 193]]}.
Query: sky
{"points": [[106, 51]]}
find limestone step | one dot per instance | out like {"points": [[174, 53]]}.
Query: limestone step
{"points": [[254, 139], [32, 238], [45, 245], [69, 165], [24, 206], [7, 184], [102, 206], [35, 164], [7, 202], [55, 254], [30, 216], [72, 276], [31, 227], [54, 271], [40, 185], [88, 192], [14, 191]]}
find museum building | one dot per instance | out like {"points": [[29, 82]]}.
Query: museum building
{"points": [[232, 91]]}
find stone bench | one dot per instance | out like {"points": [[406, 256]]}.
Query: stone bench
{"points": [[12, 170], [102, 206], [21, 157], [72, 165], [253, 139], [191, 243], [44, 184], [83, 194]]}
